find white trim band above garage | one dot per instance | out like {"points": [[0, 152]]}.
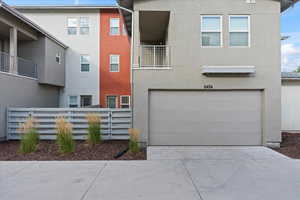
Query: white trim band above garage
{"points": [[228, 69]]}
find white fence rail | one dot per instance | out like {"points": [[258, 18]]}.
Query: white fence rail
{"points": [[114, 125]]}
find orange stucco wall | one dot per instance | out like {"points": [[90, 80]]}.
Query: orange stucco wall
{"points": [[113, 83]]}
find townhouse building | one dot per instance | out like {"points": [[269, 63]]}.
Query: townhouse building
{"points": [[206, 72], [32, 65], [98, 57], [115, 88]]}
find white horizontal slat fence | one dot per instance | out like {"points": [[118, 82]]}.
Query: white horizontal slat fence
{"points": [[114, 122]]}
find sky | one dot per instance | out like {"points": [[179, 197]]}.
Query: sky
{"points": [[290, 26]]}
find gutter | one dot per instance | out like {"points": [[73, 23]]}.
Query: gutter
{"points": [[131, 58], [63, 7]]}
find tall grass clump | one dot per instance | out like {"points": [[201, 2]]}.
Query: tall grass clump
{"points": [[64, 138], [94, 130], [30, 136], [134, 140]]}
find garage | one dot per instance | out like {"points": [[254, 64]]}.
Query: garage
{"points": [[205, 117]]}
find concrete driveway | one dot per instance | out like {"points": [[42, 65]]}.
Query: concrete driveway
{"points": [[171, 173]]}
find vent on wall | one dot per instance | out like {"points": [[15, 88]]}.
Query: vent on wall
{"points": [[250, 1]]}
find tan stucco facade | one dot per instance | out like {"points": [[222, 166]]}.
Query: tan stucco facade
{"points": [[188, 57]]}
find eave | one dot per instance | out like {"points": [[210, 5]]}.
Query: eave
{"points": [[285, 4]]}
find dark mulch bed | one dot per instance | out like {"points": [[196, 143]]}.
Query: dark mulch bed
{"points": [[290, 145], [47, 150]]}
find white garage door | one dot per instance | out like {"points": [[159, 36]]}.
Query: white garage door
{"points": [[205, 118]]}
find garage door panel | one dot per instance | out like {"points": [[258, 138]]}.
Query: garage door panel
{"points": [[205, 118]]}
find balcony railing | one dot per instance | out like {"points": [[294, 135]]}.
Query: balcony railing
{"points": [[24, 67], [154, 56], [4, 62], [27, 68]]}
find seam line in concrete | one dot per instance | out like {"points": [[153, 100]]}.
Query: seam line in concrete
{"points": [[93, 181], [190, 177]]}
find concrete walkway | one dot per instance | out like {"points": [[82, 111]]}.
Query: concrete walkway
{"points": [[186, 173]]}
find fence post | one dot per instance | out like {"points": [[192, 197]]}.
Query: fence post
{"points": [[154, 57], [110, 123], [6, 124]]}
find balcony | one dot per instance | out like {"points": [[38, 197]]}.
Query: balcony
{"points": [[155, 56], [23, 67]]}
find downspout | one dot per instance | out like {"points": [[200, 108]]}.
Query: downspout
{"points": [[131, 58]]}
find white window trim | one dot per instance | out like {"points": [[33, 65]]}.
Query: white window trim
{"points": [[213, 31], [85, 63], [78, 103], [121, 103], [88, 25], [110, 33], [110, 56], [239, 31], [67, 25], [251, 1]]}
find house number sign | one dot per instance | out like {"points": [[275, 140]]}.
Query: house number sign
{"points": [[208, 86]]}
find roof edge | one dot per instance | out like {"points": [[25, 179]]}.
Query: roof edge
{"points": [[64, 7], [27, 21]]}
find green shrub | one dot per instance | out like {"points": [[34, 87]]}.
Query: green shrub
{"points": [[64, 137], [94, 130], [134, 146], [29, 137]]}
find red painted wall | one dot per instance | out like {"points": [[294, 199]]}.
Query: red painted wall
{"points": [[113, 83]]}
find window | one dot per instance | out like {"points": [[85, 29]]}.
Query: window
{"points": [[85, 100], [84, 25], [58, 58], [72, 26], [111, 101], [239, 27], [114, 63], [211, 31], [85, 63], [114, 26], [73, 102], [125, 101]]}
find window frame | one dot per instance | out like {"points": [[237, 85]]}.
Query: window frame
{"points": [[110, 26], [210, 31], [110, 62], [88, 25], [239, 31], [76, 27], [58, 56], [83, 96], [125, 104], [83, 63], [69, 102], [116, 101]]}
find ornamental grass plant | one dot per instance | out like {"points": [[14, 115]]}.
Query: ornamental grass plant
{"points": [[64, 138], [134, 146], [94, 129], [29, 136]]}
